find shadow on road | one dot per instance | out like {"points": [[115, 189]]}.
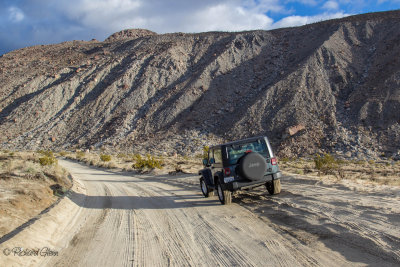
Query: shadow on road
{"points": [[142, 202]]}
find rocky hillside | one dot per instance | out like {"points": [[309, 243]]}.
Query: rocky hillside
{"points": [[330, 86]]}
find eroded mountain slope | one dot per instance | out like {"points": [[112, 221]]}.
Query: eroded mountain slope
{"points": [[336, 83]]}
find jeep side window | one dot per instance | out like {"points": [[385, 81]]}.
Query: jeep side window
{"points": [[217, 155], [211, 159]]}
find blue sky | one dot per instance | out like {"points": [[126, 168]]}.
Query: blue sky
{"points": [[30, 22]]}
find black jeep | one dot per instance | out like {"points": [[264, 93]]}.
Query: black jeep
{"points": [[242, 164]]}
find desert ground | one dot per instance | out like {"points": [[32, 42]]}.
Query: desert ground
{"points": [[114, 217]]}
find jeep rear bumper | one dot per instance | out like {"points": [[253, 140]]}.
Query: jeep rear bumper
{"points": [[236, 185]]}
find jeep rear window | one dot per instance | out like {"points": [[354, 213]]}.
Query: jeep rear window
{"points": [[235, 152]]}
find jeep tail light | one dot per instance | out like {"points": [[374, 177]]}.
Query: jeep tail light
{"points": [[227, 171], [273, 161]]}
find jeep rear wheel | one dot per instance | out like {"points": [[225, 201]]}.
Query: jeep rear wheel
{"points": [[224, 196], [273, 187], [205, 189]]}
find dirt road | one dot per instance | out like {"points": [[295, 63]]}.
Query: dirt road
{"points": [[112, 219]]}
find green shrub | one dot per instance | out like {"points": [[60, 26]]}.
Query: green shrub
{"points": [[149, 162], [284, 160], [46, 160], [325, 164], [105, 157], [205, 152], [63, 153]]}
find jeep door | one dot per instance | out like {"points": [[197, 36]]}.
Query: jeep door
{"points": [[217, 165]]}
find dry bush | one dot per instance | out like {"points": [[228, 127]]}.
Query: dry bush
{"points": [[63, 153], [80, 154]]}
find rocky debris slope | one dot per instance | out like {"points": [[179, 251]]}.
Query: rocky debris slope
{"points": [[330, 86], [129, 34]]}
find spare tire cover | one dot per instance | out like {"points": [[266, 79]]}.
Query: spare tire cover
{"points": [[252, 166]]}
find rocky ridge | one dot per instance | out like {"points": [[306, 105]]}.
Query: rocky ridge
{"points": [[331, 86]]}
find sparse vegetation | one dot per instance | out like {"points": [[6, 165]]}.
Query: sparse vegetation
{"points": [[27, 178], [80, 154], [326, 164], [149, 162], [137, 162], [387, 172], [105, 157], [47, 161], [48, 158], [63, 153], [381, 172], [30, 165]]}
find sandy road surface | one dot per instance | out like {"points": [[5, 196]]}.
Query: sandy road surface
{"points": [[112, 219]]}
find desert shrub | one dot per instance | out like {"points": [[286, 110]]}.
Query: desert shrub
{"points": [[63, 153], [121, 155], [205, 152], [80, 154], [58, 190], [110, 165], [105, 157], [284, 160], [149, 162], [325, 164], [298, 171], [46, 160]]}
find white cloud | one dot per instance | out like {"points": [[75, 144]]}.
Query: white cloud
{"points": [[15, 14], [304, 2], [163, 16], [263, 6], [105, 14], [226, 17], [293, 21], [384, 1], [331, 5], [104, 17], [49, 21]]}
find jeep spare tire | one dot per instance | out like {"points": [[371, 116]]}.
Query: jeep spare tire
{"points": [[252, 166]]}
